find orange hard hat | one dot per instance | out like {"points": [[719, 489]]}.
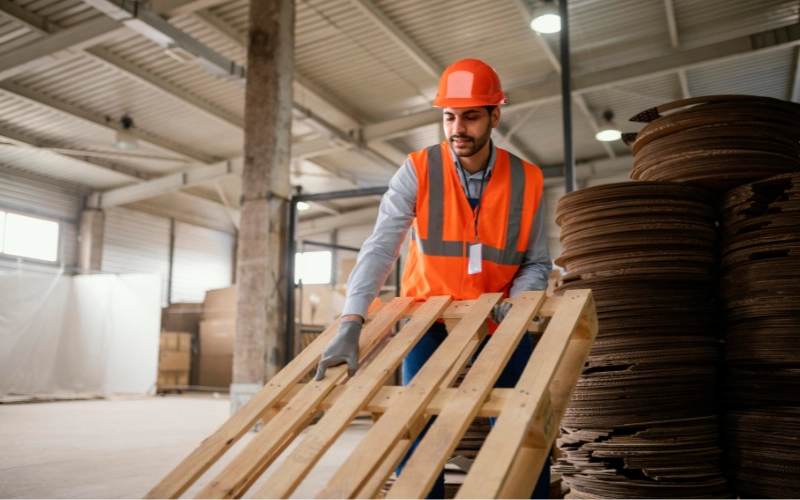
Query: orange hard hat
{"points": [[467, 83]]}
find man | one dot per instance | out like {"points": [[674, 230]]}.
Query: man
{"points": [[478, 227]]}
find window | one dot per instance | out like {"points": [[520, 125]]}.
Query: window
{"points": [[313, 268], [31, 237]]}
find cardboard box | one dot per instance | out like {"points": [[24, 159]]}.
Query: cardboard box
{"points": [[219, 304], [176, 341], [321, 304], [345, 269], [173, 380], [172, 361], [216, 337], [215, 371], [181, 317]]}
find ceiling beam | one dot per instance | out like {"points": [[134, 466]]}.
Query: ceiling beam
{"points": [[37, 24], [51, 50], [174, 8], [165, 184], [89, 117], [674, 40], [555, 62], [324, 126], [729, 50], [161, 85], [509, 142], [126, 174], [377, 16], [686, 93], [672, 25], [580, 102], [43, 27], [157, 29], [327, 224], [12, 137]]}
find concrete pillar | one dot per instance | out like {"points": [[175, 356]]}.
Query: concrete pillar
{"points": [[259, 346], [90, 239]]}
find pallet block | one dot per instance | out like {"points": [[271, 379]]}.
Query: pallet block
{"points": [[507, 465]]}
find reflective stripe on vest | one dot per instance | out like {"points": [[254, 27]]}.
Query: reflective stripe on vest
{"points": [[435, 244]]}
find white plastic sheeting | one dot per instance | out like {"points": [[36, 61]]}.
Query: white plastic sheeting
{"points": [[136, 242], [67, 334]]}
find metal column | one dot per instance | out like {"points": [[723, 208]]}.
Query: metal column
{"points": [[566, 99]]}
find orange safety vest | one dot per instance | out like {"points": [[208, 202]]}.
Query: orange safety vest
{"points": [[445, 226]]}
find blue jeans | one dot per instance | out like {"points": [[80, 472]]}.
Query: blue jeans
{"points": [[432, 339]]}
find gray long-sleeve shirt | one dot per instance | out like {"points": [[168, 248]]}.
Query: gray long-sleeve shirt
{"points": [[397, 212]]}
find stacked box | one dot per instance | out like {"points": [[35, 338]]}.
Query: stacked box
{"points": [[217, 330], [174, 361], [184, 317]]}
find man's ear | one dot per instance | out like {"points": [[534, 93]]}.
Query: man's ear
{"points": [[496, 117]]}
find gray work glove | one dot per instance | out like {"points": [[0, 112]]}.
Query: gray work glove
{"points": [[499, 312], [342, 349]]}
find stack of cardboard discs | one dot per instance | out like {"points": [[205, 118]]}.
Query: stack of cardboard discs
{"points": [[641, 422], [718, 141], [760, 291]]}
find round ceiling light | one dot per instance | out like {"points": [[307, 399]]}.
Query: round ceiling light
{"points": [[608, 129], [546, 19]]}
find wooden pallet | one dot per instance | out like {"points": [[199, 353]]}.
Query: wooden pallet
{"points": [[509, 462]]}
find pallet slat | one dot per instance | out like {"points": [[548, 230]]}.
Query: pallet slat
{"points": [[210, 450], [496, 458], [435, 449], [262, 449], [357, 393], [387, 431], [511, 457]]}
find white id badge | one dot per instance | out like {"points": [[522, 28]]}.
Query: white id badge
{"points": [[475, 258]]}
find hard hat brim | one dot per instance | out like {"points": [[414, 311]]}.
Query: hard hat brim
{"points": [[469, 102]]}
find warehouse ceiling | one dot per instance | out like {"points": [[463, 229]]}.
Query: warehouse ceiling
{"points": [[365, 75]]}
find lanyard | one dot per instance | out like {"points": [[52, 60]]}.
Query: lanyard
{"points": [[477, 212]]}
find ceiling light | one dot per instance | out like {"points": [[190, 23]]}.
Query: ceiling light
{"points": [[546, 19], [608, 129], [301, 205], [126, 139]]}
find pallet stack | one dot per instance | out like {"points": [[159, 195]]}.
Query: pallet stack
{"points": [[641, 423], [760, 290]]}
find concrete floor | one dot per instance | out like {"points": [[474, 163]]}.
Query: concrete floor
{"points": [[121, 448]]}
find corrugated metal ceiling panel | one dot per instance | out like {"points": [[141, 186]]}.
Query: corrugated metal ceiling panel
{"points": [[13, 34], [598, 23], [55, 129], [767, 74], [493, 31], [709, 21], [226, 95], [345, 54], [94, 86], [65, 13], [356, 61]]}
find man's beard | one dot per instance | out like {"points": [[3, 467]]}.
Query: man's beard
{"points": [[474, 145]]}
